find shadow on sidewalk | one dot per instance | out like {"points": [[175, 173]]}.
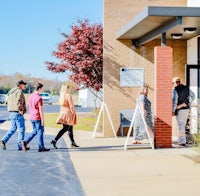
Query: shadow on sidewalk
{"points": [[110, 148], [37, 173]]}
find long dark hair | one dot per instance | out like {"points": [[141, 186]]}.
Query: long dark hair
{"points": [[38, 86]]}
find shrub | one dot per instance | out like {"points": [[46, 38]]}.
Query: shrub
{"points": [[197, 140]]}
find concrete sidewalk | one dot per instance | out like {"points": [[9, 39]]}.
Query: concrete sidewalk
{"points": [[104, 168]]}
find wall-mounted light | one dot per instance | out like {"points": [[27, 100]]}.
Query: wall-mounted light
{"points": [[176, 35], [190, 29]]}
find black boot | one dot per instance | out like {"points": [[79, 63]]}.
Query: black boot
{"points": [[53, 142], [74, 145]]}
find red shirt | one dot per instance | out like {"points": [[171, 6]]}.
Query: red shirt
{"points": [[34, 101]]}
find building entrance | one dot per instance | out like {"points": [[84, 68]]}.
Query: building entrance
{"points": [[193, 81]]}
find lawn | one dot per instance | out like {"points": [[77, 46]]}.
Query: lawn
{"points": [[85, 122]]}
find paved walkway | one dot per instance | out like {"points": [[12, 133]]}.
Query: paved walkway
{"points": [[34, 173], [99, 167]]}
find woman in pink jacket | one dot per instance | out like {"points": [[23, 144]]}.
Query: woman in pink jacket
{"points": [[67, 115]]}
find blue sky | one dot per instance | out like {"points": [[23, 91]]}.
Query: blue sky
{"points": [[30, 31]]}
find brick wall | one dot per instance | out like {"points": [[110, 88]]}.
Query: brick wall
{"points": [[163, 93]]}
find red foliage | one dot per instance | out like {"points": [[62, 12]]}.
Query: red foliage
{"points": [[82, 54]]}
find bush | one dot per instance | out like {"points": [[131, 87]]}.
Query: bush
{"points": [[197, 140]]}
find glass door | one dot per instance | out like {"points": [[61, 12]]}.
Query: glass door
{"points": [[193, 82]]}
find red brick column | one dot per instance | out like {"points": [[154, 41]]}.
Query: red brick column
{"points": [[163, 60]]}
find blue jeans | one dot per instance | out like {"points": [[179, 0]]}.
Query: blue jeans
{"points": [[38, 129], [17, 123]]}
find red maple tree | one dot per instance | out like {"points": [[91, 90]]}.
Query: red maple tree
{"points": [[82, 54]]}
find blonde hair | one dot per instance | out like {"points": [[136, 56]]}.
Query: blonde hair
{"points": [[63, 92]]}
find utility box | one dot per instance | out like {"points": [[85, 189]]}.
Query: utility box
{"points": [[89, 98]]}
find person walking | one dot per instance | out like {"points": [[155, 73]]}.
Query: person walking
{"points": [[16, 106], [36, 117], [67, 116], [139, 129], [182, 96]]}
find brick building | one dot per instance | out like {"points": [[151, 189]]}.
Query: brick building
{"points": [[138, 34]]}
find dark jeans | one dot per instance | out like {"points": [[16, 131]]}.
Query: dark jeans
{"points": [[65, 128]]}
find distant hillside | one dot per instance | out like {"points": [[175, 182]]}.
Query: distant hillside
{"points": [[8, 81]]}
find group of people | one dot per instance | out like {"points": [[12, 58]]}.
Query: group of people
{"points": [[182, 97], [16, 106]]}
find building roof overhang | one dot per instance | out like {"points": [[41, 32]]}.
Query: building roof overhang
{"points": [[153, 22]]}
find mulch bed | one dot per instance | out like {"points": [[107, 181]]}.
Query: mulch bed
{"points": [[195, 158]]}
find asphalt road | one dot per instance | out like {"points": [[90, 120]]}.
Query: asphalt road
{"points": [[37, 173], [4, 115]]}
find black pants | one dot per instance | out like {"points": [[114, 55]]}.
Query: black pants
{"points": [[65, 128]]}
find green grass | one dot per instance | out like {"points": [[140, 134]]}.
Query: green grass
{"points": [[50, 120], [85, 122]]}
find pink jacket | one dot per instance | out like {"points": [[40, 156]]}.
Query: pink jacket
{"points": [[67, 113]]}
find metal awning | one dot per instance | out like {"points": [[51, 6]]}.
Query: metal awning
{"points": [[153, 22]]}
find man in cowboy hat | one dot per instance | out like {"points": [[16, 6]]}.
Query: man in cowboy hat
{"points": [[182, 96], [16, 107]]}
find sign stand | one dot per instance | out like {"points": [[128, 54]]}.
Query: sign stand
{"points": [[103, 105], [138, 108]]}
